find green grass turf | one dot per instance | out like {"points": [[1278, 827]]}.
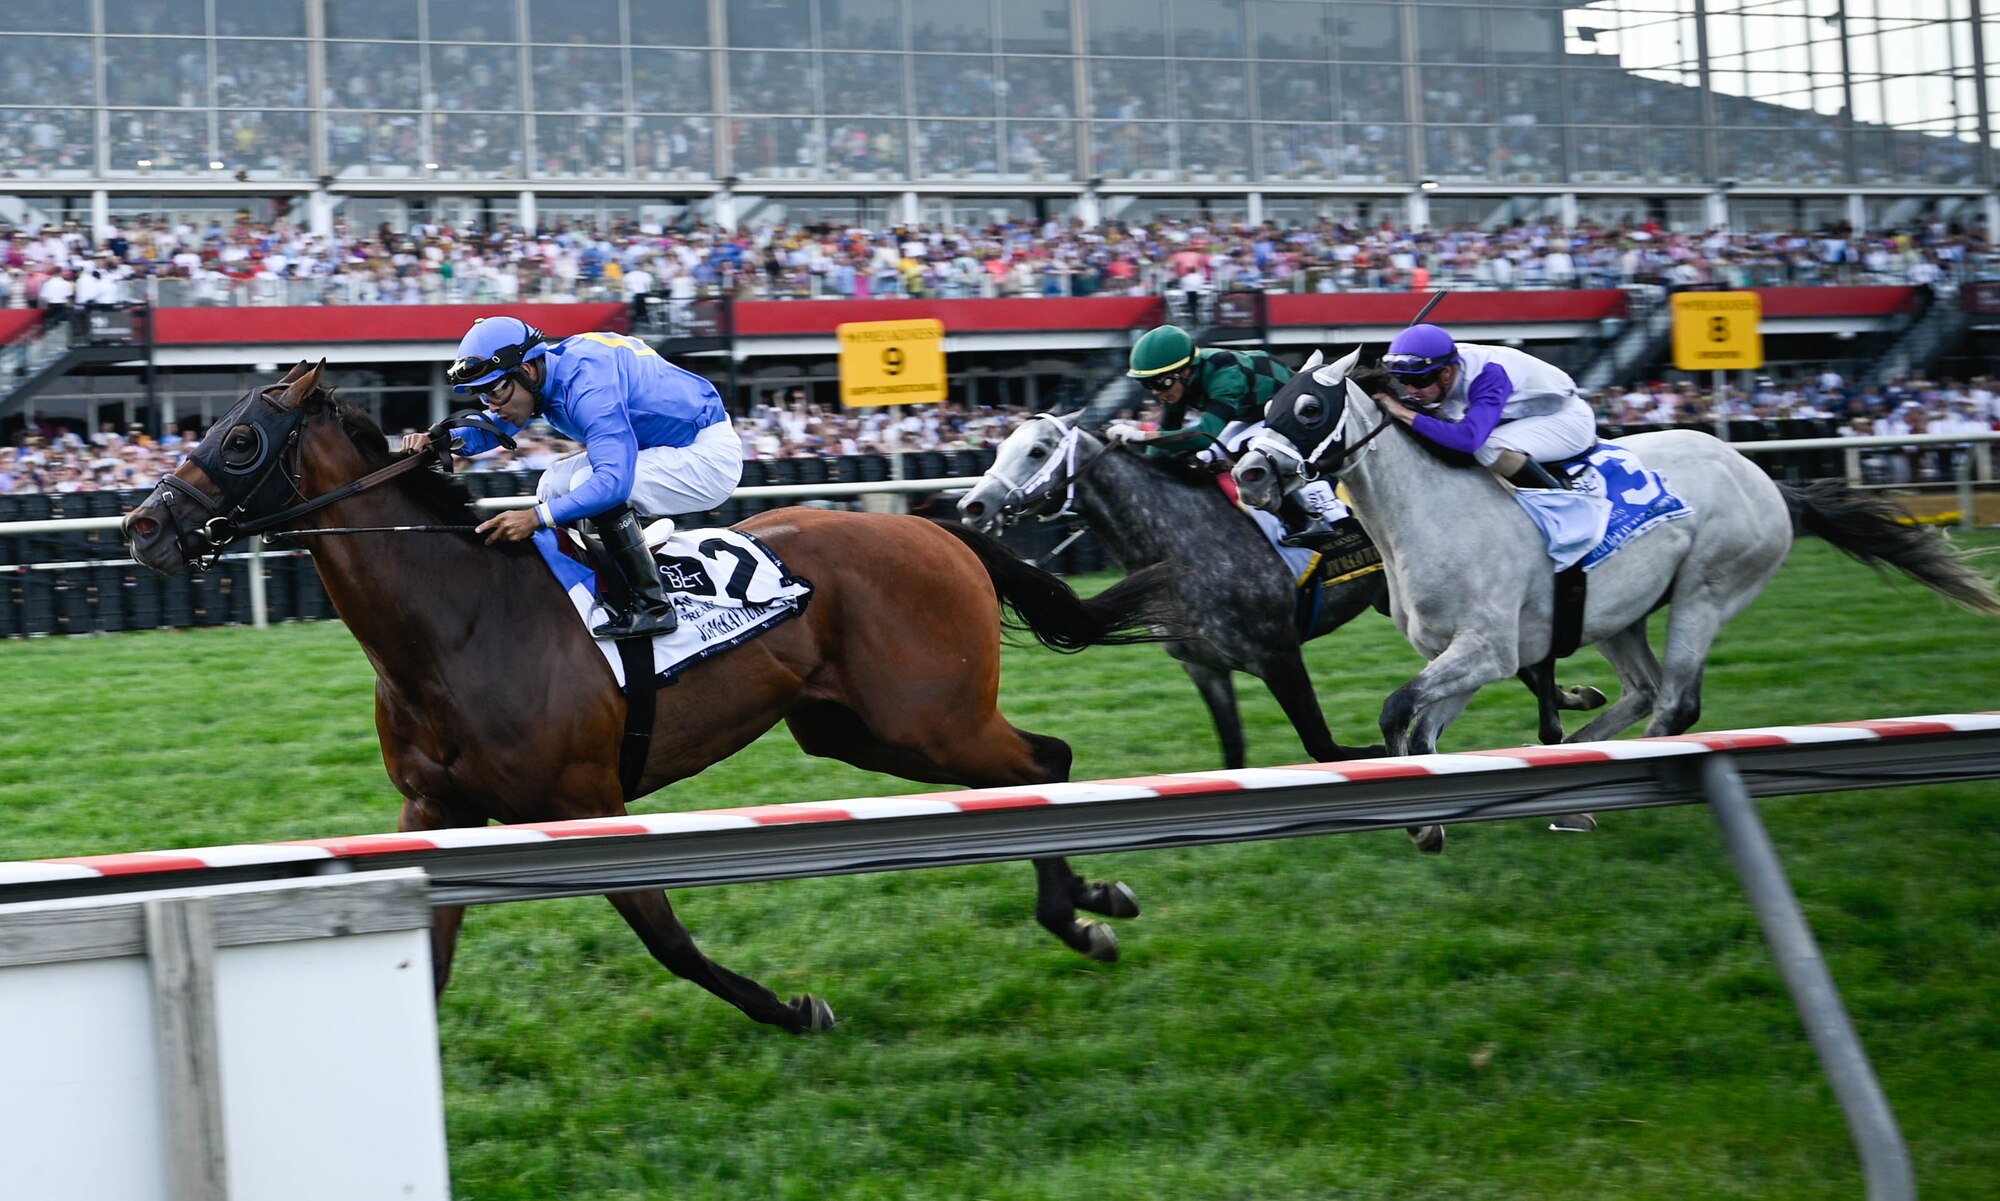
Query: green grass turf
{"points": [[1528, 1015]]}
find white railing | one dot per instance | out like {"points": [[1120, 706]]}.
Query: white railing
{"points": [[732, 846], [1973, 468]]}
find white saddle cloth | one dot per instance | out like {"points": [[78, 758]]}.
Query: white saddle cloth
{"points": [[727, 587]]}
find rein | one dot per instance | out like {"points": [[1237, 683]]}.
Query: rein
{"points": [[1321, 461], [221, 530]]}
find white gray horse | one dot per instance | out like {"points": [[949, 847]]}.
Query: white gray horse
{"points": [[1234, 588], [1471, 584]]}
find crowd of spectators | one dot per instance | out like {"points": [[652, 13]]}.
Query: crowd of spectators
{"points": [[785, 424], [182, 260], [179, 260]]}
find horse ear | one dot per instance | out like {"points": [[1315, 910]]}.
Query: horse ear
{"points": [[1316, 359], [1068, 420], [1349, 362], [294, 373], [300, 383]]}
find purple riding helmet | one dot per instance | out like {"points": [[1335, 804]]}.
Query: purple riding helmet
{"points": [[1420, 351]]}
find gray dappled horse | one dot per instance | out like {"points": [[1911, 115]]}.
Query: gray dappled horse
{"points": [[1235, 589], [1472, 585]]}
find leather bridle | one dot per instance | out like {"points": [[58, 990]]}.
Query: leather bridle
{"points": [[267, 479]]}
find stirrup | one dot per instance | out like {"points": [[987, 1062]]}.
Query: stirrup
{"points": [[638, 620]]}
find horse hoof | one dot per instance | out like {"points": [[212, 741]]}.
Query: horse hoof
{"points": [[1588, 697], [1112, 900], [818, 1014], [1429, 839], [1099, 942], [1579, 823]]}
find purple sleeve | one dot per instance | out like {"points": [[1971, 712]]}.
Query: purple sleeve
{"points": [[1485, 397]]}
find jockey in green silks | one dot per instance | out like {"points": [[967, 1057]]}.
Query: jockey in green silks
{"points": [[1213, 402]]}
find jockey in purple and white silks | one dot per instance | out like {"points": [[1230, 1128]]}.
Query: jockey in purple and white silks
{"points": [[1506, 408], [657, 440]]}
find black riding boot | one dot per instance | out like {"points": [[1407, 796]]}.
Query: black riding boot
{"points": [[1534, 475], [650, 612], [1305, 528]]}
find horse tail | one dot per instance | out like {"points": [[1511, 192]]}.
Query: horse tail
{"points": [[1880, 533], [1138, 608]]}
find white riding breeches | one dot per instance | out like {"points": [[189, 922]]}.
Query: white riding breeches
{"points": [[668, 480], [1544, 438]]}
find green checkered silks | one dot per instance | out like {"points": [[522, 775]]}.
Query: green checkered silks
{"points": [[1226, 386]]}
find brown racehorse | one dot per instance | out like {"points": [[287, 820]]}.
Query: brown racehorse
{"points": [[493, 704]]}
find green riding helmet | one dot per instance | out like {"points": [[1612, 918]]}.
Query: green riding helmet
{"points": [[1165, 349]]}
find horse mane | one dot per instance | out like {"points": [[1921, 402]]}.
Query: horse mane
{"points": [[1178, 469], [443, 496]]}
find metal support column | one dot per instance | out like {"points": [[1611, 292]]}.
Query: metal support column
{"points": [[1885, 1161]]}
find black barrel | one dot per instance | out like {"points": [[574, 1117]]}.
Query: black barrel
{"points": [[10, 604], [38, 602], [140, 601]]}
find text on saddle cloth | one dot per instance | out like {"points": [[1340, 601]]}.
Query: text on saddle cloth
{"points": [[727, 587], [1613, 498]]}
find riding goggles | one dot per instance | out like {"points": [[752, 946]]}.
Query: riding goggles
{"points": [[1160, 383], [1415, 382], [463, 372]]}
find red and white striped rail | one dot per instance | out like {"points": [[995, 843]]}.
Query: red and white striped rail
{"points": [[812, 838]]}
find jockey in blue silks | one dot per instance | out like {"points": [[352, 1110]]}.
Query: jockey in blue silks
{"points": [[657, 440], [1504, 407]]}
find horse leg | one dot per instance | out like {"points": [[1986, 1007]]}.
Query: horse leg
{"points": [[1416, 715], [993, 755], [653, 920], [1289, 681], [1541, 680], [1579, 698], [1638, 683], [1218, 692], [420, 813], [1691, 632]]}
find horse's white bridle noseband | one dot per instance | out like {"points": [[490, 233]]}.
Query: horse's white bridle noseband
{"points": [[1061, 464]]}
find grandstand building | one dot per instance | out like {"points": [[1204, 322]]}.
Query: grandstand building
{"points": [[352, 116], [1784, 114]]}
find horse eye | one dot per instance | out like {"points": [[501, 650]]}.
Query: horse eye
{"points": [[1039, 452], [1310, 409], [240, 447]]}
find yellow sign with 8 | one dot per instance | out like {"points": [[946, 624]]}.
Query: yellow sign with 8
{"points": [[1718, 331]]}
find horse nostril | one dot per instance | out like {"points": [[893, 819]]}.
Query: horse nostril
{"points": [[1253, 475], [974, 508], [144, 527]]}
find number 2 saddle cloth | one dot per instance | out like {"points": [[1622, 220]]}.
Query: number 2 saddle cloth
{"points": [[727, 588]]}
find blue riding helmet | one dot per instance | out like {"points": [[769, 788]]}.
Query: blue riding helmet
{"points": [[1420, 350], [492, 348]]}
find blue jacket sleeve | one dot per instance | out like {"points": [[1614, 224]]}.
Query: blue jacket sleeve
{"points": [[473, 441], [613, 449], [1486, 396]]}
